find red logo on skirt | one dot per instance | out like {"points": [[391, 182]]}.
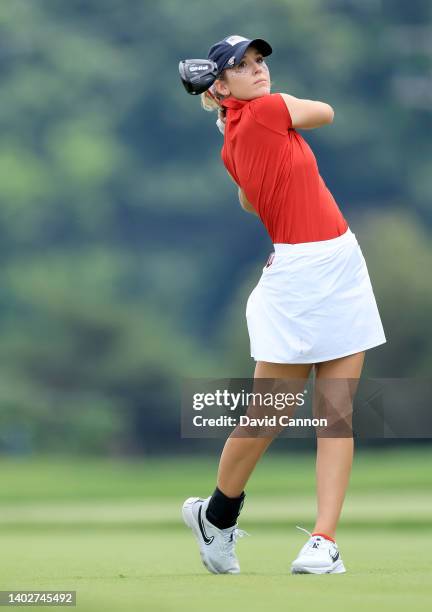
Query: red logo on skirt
{"points": [[270, 260]]}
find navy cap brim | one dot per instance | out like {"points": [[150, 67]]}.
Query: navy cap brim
{"points": [[240, 49]]}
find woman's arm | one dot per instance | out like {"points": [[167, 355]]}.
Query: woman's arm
{"points": [[308, 114], [246, 205]]}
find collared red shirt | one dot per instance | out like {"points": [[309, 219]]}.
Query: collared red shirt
{"points": [[277, 170]]}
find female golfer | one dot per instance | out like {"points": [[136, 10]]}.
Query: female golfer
{"points": [[313, 307]]}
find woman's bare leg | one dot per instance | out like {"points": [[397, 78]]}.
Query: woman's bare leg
{"points": [[240, 454], [334, 455]]}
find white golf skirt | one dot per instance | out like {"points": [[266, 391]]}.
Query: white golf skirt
{"points": [[313, 302]]}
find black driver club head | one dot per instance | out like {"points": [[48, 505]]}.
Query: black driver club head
{"points": [[197, 75]]}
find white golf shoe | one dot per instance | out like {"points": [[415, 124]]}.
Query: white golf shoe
{"points": [[318, 556], [216, 545]]}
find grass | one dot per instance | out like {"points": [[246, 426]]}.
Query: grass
{"points": [[60, 478], [112, 531], [154, 569]]}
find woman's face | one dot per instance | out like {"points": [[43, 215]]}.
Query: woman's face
{"points": [[249, 79]]}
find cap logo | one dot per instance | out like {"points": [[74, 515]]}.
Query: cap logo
{"points": [[231, 61], [233, 40]]}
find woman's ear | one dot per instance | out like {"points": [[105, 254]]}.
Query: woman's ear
{"points": [[222, 88]]}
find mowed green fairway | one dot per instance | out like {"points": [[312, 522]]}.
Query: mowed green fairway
{"points": [[112, 531], [161, 570]]}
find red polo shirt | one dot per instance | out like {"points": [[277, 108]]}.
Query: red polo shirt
{"points": [[278, 171]]}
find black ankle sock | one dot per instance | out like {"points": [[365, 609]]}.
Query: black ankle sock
{"points": [[223, 511]]}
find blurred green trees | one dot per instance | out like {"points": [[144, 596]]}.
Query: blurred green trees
{"points": [[126, 260]]}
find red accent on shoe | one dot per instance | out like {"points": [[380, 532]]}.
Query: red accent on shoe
{"points": [[324, 536]]}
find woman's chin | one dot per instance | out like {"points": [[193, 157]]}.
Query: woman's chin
{"points": [[262, 91], [263, 87]]}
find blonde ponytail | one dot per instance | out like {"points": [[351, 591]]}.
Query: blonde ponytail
{"points": [[211, 99], [208, 103]]}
